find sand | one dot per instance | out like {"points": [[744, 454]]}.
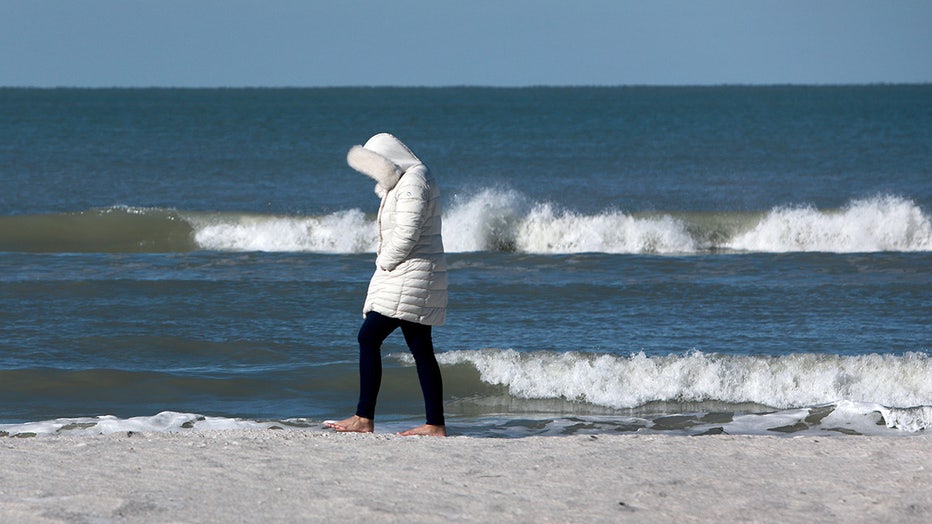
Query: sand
{"points": [[309, 476]]}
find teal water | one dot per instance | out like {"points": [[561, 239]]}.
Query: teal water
{"points": [[730, 259]]}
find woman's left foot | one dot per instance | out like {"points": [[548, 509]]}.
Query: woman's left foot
{"points": [[427, 430], [354, 424]]}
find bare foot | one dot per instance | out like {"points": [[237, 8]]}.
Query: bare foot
{"points": [[354, 424], [427, 430]]}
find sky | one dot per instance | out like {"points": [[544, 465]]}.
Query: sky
{"points": [[310, 43]]}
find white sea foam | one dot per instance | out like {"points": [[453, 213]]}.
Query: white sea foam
{"points": [[893, 382], [166, 421], [505, 220], [547, 231], [342, 232], [884, 223], [483, 222]]}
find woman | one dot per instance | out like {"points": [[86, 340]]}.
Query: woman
{"points": [[409, 287]]}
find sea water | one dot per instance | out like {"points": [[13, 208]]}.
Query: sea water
{"points": [[681, 260]]}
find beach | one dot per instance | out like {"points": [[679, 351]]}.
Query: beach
{"points": [[667, 304], [307, 476]]}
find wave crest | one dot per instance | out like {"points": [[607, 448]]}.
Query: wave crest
{"points": [[343, 232], [491, 220], [883, 223], [798, 380], [495, 220]]}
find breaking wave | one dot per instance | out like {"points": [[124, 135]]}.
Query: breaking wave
{"points": [[797, 380], [491, 220], [508, 393], [896, 390], [879, 224]]}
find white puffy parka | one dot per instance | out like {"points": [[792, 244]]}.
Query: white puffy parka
{"points": [[410, 280]]}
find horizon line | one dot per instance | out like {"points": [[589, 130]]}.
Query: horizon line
{"points": [[467, 86]]}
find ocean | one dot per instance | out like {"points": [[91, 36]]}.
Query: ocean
{"points": [[675, 260]]}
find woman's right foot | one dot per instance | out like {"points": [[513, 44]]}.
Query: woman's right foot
{"points": [[427, 430], [354, 424]]}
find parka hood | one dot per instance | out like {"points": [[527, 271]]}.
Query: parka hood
{"points": [[383, 158]]}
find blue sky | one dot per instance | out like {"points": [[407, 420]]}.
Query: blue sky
{"points": [[94, 43]]}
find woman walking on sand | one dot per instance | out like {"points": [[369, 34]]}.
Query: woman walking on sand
{"points": [[409, 286]]}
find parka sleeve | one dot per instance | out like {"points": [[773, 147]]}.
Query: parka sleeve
{"points": [[412, 197]]}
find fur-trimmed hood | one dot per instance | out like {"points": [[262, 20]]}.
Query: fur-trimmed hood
{"points": [[383, 158]]}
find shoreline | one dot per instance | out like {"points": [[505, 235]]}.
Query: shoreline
{"points": [[279, 476]]}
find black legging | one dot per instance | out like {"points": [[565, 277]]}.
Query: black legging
{"points": [[375, 329]]}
